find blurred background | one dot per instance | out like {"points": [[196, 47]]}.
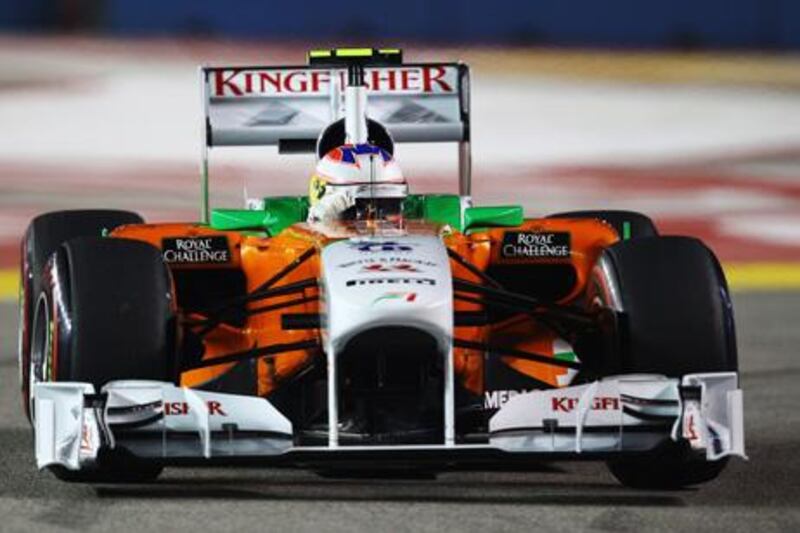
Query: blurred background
{"points": [[764, 24], [685, 110]]}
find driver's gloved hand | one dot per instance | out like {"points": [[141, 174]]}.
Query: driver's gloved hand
{"points": [[331, 206]]}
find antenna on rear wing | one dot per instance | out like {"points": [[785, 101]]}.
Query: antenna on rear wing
{"points": [[355, 105]]}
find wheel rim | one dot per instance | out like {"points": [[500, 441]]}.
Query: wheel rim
{"points": [[40, 343], [23, 308]]}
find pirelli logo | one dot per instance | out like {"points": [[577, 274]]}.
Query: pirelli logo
{"points": [[390, 281]]}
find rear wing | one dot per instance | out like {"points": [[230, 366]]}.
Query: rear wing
{"points": [[289, 106]]}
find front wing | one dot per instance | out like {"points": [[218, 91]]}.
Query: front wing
{"points": [[172, 425]]}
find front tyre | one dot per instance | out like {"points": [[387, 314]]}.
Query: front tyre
{"points": [[106, 312], [677, 319], [44, 235]]}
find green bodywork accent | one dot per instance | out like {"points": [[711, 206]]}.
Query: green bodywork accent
{"points": [[440, 209], [493, 216], [283, 211], [565, 356], [446, 209], [233, 219], [280, 212], [626, 230]]}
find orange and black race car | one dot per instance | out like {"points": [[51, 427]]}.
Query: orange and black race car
{"points": [[363, 326]]}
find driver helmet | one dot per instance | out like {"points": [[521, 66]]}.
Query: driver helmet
{"points": [[357, 182]]}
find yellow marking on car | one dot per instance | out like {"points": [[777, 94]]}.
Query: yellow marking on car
{"points": [[354, 52], [319, 53]]}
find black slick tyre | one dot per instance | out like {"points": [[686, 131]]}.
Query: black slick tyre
{"points": [[43, 236], [677, 319], [105, 312]]}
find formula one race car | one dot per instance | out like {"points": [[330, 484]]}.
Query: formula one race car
{"points": [[364, 327]]}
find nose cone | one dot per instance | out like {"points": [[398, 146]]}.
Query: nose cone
{"points": [[380, 281]]}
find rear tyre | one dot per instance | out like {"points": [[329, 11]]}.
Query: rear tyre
{"points": [[627, 224], [44, 234], [677, 319], [105, 313]]}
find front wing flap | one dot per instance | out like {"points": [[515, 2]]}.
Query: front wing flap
{"points": [[630, 413], [169, 424]]}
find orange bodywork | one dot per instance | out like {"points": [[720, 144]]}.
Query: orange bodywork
{"points": [[260, 258]]}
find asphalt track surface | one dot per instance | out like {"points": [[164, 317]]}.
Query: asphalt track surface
{"points": [[762, 494]]}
